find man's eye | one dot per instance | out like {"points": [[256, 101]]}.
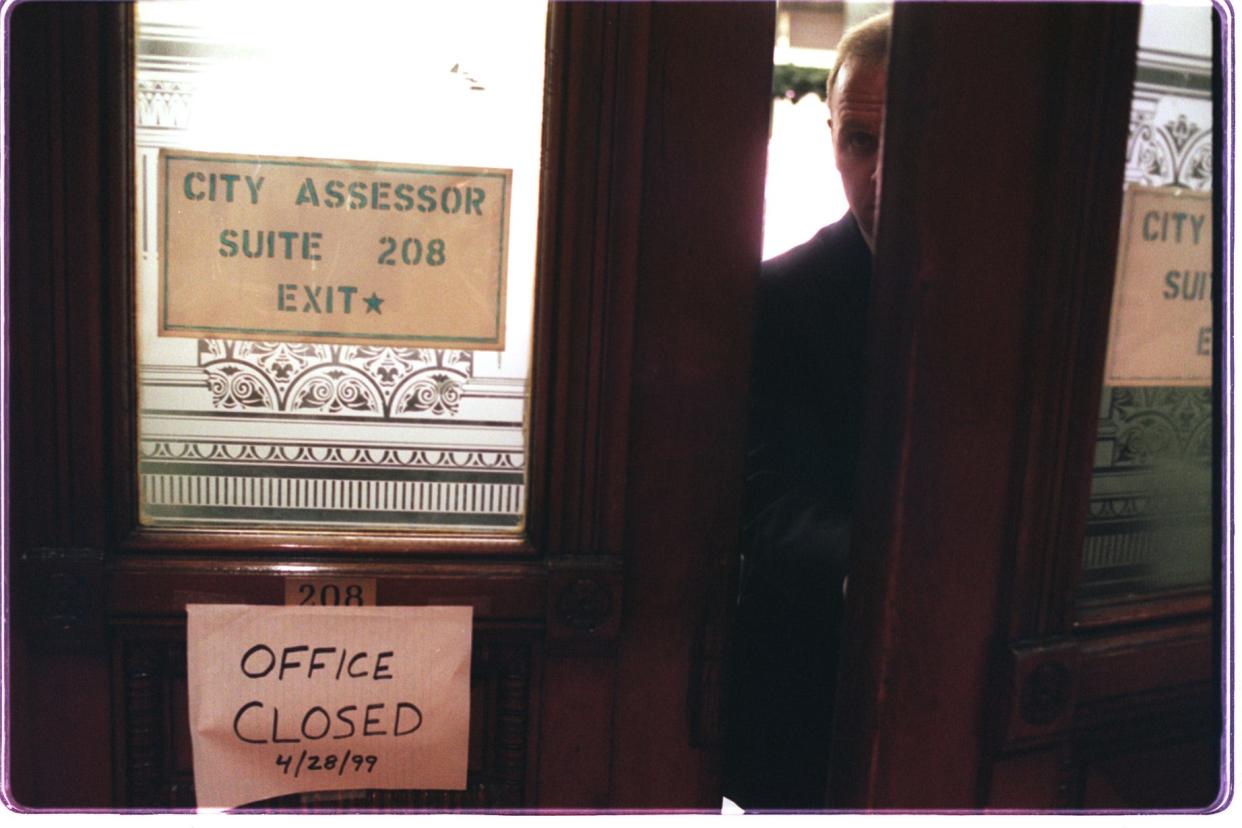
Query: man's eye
{"points": [[861, 142]]}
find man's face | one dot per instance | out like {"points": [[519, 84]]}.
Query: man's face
{"points": [[856, 109]]}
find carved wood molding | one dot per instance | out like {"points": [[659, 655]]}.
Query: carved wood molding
{"points": [[587, 272], [513, 725], [584, 604], [148, 670], [1041, 691], [1096, 689]]}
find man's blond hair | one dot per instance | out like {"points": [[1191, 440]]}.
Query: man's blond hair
{"points": [[865, 43]]}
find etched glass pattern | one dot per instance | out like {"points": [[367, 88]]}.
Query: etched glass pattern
{"points": [[237, 433]]}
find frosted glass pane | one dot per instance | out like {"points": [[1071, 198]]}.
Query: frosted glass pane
{"points": [[1149, 526], [338, 435]]}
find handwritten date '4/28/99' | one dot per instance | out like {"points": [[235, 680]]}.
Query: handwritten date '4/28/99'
{"points": [[331, 762]]}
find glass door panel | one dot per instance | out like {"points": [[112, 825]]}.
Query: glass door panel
{"points": [[322, 428], [1149, 527]]}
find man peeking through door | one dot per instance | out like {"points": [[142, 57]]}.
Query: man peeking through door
{"points": [[806, 408]]}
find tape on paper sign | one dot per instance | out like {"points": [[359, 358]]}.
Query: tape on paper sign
{"points": [[296, 699]]}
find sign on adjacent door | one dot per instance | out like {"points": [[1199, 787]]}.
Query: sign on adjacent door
{"points": [[1161, 331]]}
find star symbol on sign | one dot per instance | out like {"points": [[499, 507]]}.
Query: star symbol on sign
{"points": [[373, 303]]}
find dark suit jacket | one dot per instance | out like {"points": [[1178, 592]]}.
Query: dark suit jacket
{"points": [[805, 419]]}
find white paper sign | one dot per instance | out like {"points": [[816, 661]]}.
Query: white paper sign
{"points": [[295, 699]]}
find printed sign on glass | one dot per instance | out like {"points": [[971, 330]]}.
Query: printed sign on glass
{"points": [[1161, 332], [303, 250]]}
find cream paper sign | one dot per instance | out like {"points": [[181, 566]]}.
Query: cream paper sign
{"points": [[296, 699], [304, 250], [1161, 331]]}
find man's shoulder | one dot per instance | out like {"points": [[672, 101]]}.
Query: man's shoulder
{"points": [[836, 254]]}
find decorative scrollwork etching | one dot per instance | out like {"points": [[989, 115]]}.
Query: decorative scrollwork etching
{"points": [[1196, 167], [283, 361], [164, 104], [333, 379], [390, 367], [1181, 132], [1154, 424], [1176, 154], [333, 391], [1147, 438], [1147, 156], [437, 393], [234, 387]]}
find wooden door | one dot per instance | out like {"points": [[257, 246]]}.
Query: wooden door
{"points": [[983, 666], [598, 629]]}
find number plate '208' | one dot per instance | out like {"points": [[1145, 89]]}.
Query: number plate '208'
{"points": [[329, 592]]}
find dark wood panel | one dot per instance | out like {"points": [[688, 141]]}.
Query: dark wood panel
{"points": [[1037, 779], [60, 732], [68, 195], [1057, 686], [69, 192], [578, 696], [1138, 724], [584, 319], [1197, 603], [984, 345], [1178, 776], [1147, 660], [703, 171], [1171, 771]]}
